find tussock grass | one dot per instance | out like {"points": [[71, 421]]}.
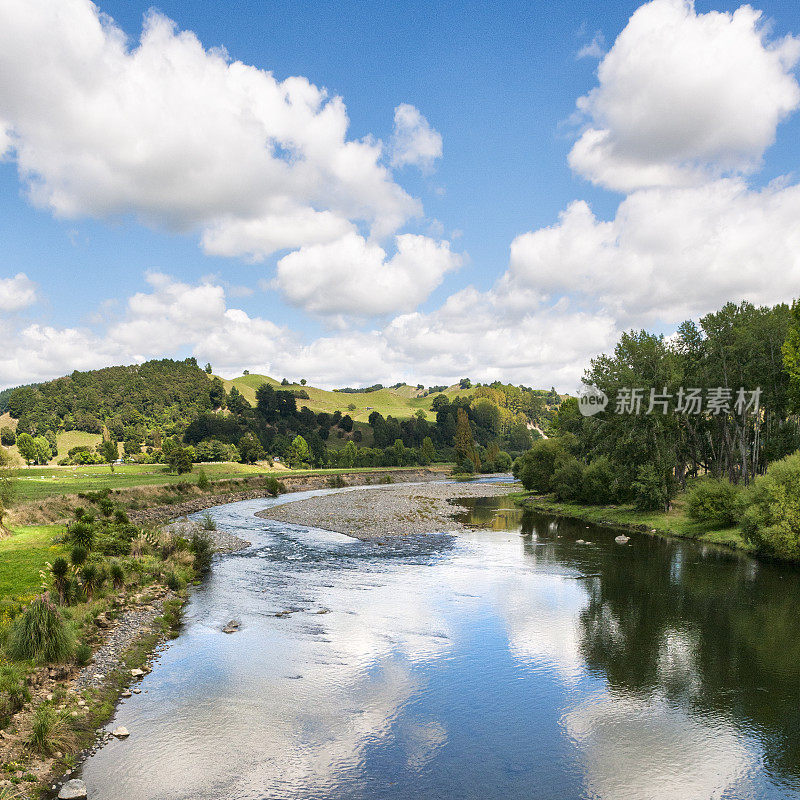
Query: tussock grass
{"points": [[41, 634]]}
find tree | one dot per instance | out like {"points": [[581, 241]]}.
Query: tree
{"points": [[791, 356], [347, 457], [7, 437], [27, 448], [7, 486], [464, 442], [250, 449], [208, 369], [303, 381], [43, 452], [427, 452], [109, 452], [298, 452], [535, 469], [180, 460]]}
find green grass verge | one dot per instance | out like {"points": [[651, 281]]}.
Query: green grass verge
{"points": [[40, 483], [22, 555], [675, 522]]}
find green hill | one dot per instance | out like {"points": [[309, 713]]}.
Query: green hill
{"points": [[402, 402]]}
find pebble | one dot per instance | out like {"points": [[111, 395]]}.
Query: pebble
{"points": [[379, 513]]}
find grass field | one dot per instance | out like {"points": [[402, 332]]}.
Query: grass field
{"points": [[402, 402], [673, 523], [22, 555], [39, 483]]}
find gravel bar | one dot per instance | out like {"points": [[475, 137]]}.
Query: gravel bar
{"points": [[386, 511]]}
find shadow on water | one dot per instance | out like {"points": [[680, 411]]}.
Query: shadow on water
{"points": [[529, 657]]}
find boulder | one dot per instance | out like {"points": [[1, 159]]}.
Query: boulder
{"points": [[121, 732], [137, 673], [622, 539], [73, 790]]}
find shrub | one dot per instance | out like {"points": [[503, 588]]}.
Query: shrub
{"points": [[83, 654], [78, 555], [598, 482], [535, 469], [715, 501], [336, 482], [650, 489], [13, 692], [117, 574], [120, 517], [203, 483], [567, 480], [41, 633], [173, 582], [50, 731], [81, 533], [207, 522], [203, 551], [772, 519], [273, 486], [89, 580]]}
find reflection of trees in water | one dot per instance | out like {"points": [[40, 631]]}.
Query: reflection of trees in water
{"points": [[704, 628]]}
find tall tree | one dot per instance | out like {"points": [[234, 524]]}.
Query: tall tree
{"points": [[464, 441], [7, 487]]}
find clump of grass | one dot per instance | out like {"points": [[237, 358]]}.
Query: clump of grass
{"points": [[336, 482], [50, 731], [60, 570], [41, 633], [117, 575], [83, 654], [13, 692], [173, 582], [207, 522]]}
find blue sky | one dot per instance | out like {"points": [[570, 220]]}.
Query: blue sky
{"points": [[498, 84]]}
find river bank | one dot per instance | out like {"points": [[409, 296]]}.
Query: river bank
{"points": [[675, 523], [387, 511]]}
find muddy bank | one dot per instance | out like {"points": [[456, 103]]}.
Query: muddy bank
{"points": [[387, 511], [301, 483]]}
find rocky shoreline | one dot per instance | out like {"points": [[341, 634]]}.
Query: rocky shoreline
{"points": [[301, 483], [386, 512]]}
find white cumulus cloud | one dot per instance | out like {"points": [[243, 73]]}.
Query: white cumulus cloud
{"points": [[181, 136], [17, 292], [683, 95], [414, 141], [353, 276]]}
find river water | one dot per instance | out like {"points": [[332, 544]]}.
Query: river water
{"points": [[510, 663]]}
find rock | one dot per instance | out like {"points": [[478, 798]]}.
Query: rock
{"points": [[580, 541], [121, 732], [230, 629], [126, 694], [137, 691], [102, 621], [137, 673], [622, 539], [73, 790]]}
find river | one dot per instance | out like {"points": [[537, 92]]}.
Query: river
{"points": [[509, 663]]}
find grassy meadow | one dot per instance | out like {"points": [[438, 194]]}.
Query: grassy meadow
{"points": [[401, 403], [23, 555]]}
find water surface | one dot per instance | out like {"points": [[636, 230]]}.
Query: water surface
{"points": [[512, 662]]}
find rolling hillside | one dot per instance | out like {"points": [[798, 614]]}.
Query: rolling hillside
{"points": [[401, 403]]}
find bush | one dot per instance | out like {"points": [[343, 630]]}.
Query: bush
{"points": [[60, 570], [207, 522], [203, 483], [83, 654], [336, 482], [567, 480], [772, 519], [173, 582], [117, 575], [535, 469], [650, 489], [41, 633], [78, 555], [13, 692], [715, 501], [273, 486], [203, 552], [50, 731], [81, 533], [598, 482]]}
